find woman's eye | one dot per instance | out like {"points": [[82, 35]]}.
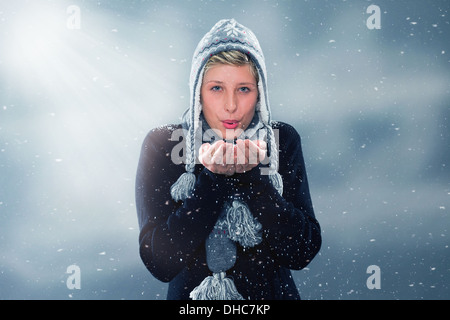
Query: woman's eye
{"points": [[215, 88], [244, 89]]}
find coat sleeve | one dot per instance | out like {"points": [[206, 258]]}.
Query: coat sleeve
{"points": [[290, 227], [171, 232]]}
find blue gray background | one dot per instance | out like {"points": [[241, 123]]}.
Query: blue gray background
{"points": [[372, 107]]}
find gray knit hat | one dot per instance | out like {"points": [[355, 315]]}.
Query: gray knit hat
{"points": [[241, 226]]}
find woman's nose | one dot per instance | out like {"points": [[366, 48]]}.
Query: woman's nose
{"points": [[231, 103]]}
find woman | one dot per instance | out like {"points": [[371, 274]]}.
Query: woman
{"points": [[223, 201]]}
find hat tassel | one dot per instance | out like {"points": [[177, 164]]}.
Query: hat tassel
{"points": [[184, 186], [216, 287]]}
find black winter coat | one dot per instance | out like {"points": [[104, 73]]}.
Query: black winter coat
{"points": [[172, 234]]}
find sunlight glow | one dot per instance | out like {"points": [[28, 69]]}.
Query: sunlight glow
{"points": [[36, 35]]}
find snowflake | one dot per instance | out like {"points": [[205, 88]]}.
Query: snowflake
{"points": [[231, 29]]}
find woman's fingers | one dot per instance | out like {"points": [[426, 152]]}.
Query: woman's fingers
{"points": [[219, 154], [262, 150], [241, 156], [257, 151], [203, 153], [218, 158], [226, 158], [250, 152]]}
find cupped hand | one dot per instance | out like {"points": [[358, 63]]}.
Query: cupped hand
{"points": [[227, 158], [249, 154]]}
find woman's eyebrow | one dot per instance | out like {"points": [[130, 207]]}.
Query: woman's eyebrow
{"points": [[216, 81], [240, 84]]}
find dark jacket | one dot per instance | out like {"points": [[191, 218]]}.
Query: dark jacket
{"points": [[172, 235]]}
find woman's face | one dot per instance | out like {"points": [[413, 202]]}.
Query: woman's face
{"points": [[229, 95]]}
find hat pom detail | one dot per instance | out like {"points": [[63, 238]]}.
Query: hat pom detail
{"points": [[242, 226], [216, 287], [183, 188], [277, 182]]}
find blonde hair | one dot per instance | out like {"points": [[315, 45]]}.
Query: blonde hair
{"points": [[233, 58]]}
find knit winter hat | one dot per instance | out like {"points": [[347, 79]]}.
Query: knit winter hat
{"points": [[241, 226], [228, 35]]}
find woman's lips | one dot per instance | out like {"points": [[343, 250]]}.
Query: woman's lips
{"points": [[230, 124]]}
